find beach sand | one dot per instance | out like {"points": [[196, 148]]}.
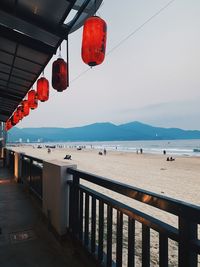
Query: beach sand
{"points": [[179, 179]]}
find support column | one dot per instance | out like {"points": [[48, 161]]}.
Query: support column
{"points": [[17, 166], [56, 194]]}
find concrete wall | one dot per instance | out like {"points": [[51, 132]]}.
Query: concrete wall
{"points": [[56, 194]]}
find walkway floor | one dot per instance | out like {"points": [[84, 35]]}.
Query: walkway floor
{"points": [[25, 240]]}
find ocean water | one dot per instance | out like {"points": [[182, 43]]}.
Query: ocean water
{"points": [[172, 147]]}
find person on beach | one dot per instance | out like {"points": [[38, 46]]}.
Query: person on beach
{"points": [[141, 150], [104, 152], [170, 159]]}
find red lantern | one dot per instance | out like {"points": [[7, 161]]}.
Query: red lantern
{"points": [[15, 118], [32, 99], [12, 121], [25, 107], [94, 41], [59, 75], [43, 89], [8, 125], [20, 113]]}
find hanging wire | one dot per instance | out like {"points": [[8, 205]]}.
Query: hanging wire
{"points": [[59, 54], [140, 27], [128, 36], [95, 6]]}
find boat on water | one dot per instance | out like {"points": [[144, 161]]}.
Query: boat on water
{"points": [[196, 150]]}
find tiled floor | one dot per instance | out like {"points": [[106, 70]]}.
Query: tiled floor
{"points": [[25, 239]]}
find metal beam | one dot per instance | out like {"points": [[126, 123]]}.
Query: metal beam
{"points": [[3, 118], [12, 90], [78, 14], [95, 7], [10, 96], [4, 113], [17, 68], [70, 7], [16, 76], [80, 9], [24, 58], [26, 40], [22, 17], [18, 84]]}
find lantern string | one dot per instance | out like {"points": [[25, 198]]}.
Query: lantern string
{"points": [[95, 6], [129, 36], [59, 55]]}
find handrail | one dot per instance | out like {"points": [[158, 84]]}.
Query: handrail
{"points": [[87, 210], [176, 207], [148, 220], [32, 158], [32, 174]]}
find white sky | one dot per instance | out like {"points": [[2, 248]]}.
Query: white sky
{"points": [[153, 77]]}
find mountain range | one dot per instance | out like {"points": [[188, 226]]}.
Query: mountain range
{"points": [[101, 132]]}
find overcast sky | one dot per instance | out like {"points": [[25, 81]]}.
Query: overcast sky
{"points": [[153, 77]]}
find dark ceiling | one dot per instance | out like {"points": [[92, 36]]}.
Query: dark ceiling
{"points": [[30, 33]]}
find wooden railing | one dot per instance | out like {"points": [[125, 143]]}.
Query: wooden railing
{"points": [[93, 223], [108, 227], [11, 155], [32, 174]]}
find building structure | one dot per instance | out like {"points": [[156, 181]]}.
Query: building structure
{"points": [[30, 33]]}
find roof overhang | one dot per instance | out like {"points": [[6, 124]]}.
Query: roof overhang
{"points": [[30, 33]]}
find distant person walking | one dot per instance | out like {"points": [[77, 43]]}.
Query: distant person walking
{"points": [[141, 150], [104, 152]]}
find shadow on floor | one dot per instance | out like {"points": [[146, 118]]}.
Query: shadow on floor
{"points": [[25, 239]]}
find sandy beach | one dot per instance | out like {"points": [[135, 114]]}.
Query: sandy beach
{"points": [[179, 179]]}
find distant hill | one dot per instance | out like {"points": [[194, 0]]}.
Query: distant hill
{"points": [[101, 132]]}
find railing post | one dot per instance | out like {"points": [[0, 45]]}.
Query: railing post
{"points": [[22, 168], [4, 157], [30, 171], [7, 158], [75, 205], [187, 233]]}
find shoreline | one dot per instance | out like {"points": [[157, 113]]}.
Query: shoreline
{"points": [[187, 148]]}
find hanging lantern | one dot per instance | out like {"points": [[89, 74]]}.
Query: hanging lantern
{"points": [[20, 113], [59, 75], [94, 41], [12, 121], [32, 99], [15, 117], [25, 107], [8, 125], [43, 89]]}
